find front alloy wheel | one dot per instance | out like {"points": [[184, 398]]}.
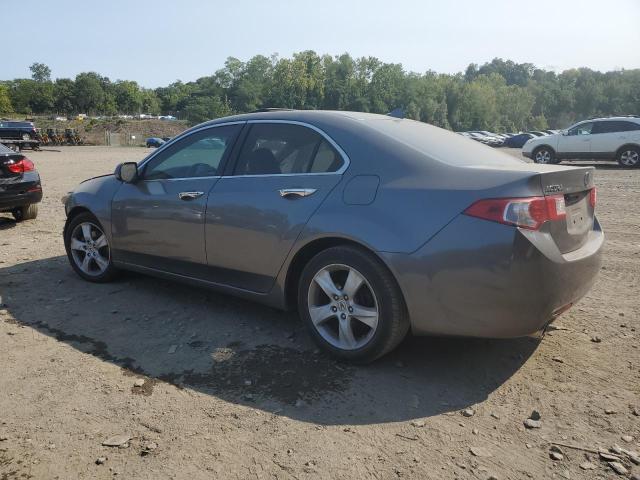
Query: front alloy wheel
{"points": [[88, 249], [544, 155]]}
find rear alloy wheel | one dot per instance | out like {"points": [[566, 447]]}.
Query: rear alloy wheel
{"points": [[88, 249], [352, 305], [629, 157], [544, 155], [27, 212]]}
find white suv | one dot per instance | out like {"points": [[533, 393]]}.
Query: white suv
{"points": [[601, 138]]}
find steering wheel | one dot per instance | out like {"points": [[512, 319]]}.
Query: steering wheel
{"points": [[201, 170]]}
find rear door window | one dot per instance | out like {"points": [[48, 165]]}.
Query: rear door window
{"points": [[286, 149]]}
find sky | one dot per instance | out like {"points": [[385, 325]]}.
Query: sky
{"points": [[158, 42]]}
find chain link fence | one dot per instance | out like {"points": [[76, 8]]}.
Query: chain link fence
{"points": [[124, 139]]}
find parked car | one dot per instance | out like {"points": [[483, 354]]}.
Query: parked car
{"points": [[370, 225], [537, 133], [20, 188], [13, 130], [602, 138], [517, 141], [155, 142]]}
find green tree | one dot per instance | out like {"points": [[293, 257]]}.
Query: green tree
{"points": [[5, 100], [40, 72]]}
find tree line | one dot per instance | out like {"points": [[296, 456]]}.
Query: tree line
{"points": [[500, 95]]}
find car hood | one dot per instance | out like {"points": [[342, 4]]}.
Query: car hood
{"points": [[547, 140]]}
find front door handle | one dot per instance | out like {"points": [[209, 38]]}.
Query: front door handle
{"points": [[296, 192], [189, 195]]}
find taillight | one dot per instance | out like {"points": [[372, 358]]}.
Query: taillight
{"points": [[528, 212], [21, 166], [593, 197]]}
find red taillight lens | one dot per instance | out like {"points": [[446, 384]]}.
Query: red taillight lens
{"points": [[593, 197], [529, 212], [21, 166]]}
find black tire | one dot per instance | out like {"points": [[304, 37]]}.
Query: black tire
{"points": [[393, 321], [544, 155], [629, 157], [27, 212], [110, 272]]}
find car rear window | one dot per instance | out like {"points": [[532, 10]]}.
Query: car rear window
{"points": [[4, 149], [440, 144]]}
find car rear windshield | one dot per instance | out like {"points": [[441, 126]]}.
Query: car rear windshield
{"points": [[440, 144]]}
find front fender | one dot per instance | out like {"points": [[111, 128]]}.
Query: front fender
{"points": [[94, 195]]}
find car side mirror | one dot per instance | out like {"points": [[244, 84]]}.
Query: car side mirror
{"points": [[127, 172]]}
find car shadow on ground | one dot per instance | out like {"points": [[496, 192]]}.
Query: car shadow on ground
{"points": [[6, 223], [247, 353]]}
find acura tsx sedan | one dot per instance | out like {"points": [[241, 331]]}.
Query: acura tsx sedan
{"points": [[371, 226]]}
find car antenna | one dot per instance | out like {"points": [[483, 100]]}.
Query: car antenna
{"points": [[396, 113]]}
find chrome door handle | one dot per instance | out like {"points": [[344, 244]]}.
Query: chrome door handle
{"points": [[189, 195], [297, 192]]}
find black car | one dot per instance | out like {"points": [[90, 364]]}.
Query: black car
{"points": [[517, 141], [20, 188], [17, 130]]}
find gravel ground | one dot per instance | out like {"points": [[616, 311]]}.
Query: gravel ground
{"points": [[195, 385]]}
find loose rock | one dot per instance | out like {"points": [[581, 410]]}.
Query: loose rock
{"points": [[610, 411], [100, 460], [596, 339], [535, 415], [139, 382], [479, 452], [116, 440], [618, 468], [147, 448], [468, 412], [558, 359], [588, 466], [529, 423], [556, 456], [627, 438], [418, 423], [608, 457]]}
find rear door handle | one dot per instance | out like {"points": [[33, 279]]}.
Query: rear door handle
{"points": [[297, 192], [189, 195]]}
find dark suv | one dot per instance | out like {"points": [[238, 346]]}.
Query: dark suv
{"points": [[17, 130]]}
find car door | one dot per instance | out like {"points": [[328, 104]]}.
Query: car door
{"points": [[282, 174], [611, 135], [604, 137], [158, 221], [576, 142]]}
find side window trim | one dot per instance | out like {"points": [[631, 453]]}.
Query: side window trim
{"points": [[228, 172], [162, 150]]}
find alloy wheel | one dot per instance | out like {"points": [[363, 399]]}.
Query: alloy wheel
{"points": [[90, 249], [343, 307], [543, 156], [630, 158]]}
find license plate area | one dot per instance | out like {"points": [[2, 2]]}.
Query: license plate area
{"points": [[579, 216]]}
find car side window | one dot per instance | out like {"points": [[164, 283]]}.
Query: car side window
{"points": [[582, 129], [281, 148], [197, 155], [624, 126]]}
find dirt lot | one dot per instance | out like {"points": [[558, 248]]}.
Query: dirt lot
{"points": [[236, 390]]}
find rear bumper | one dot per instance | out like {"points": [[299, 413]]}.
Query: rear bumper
{"points": [[19, 197], [483, 279]]}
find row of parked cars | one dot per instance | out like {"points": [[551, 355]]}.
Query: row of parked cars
{"points": [[510, 140], [609, 138]]}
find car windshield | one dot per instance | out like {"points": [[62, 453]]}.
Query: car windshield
{"points": [[440, 144]]}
